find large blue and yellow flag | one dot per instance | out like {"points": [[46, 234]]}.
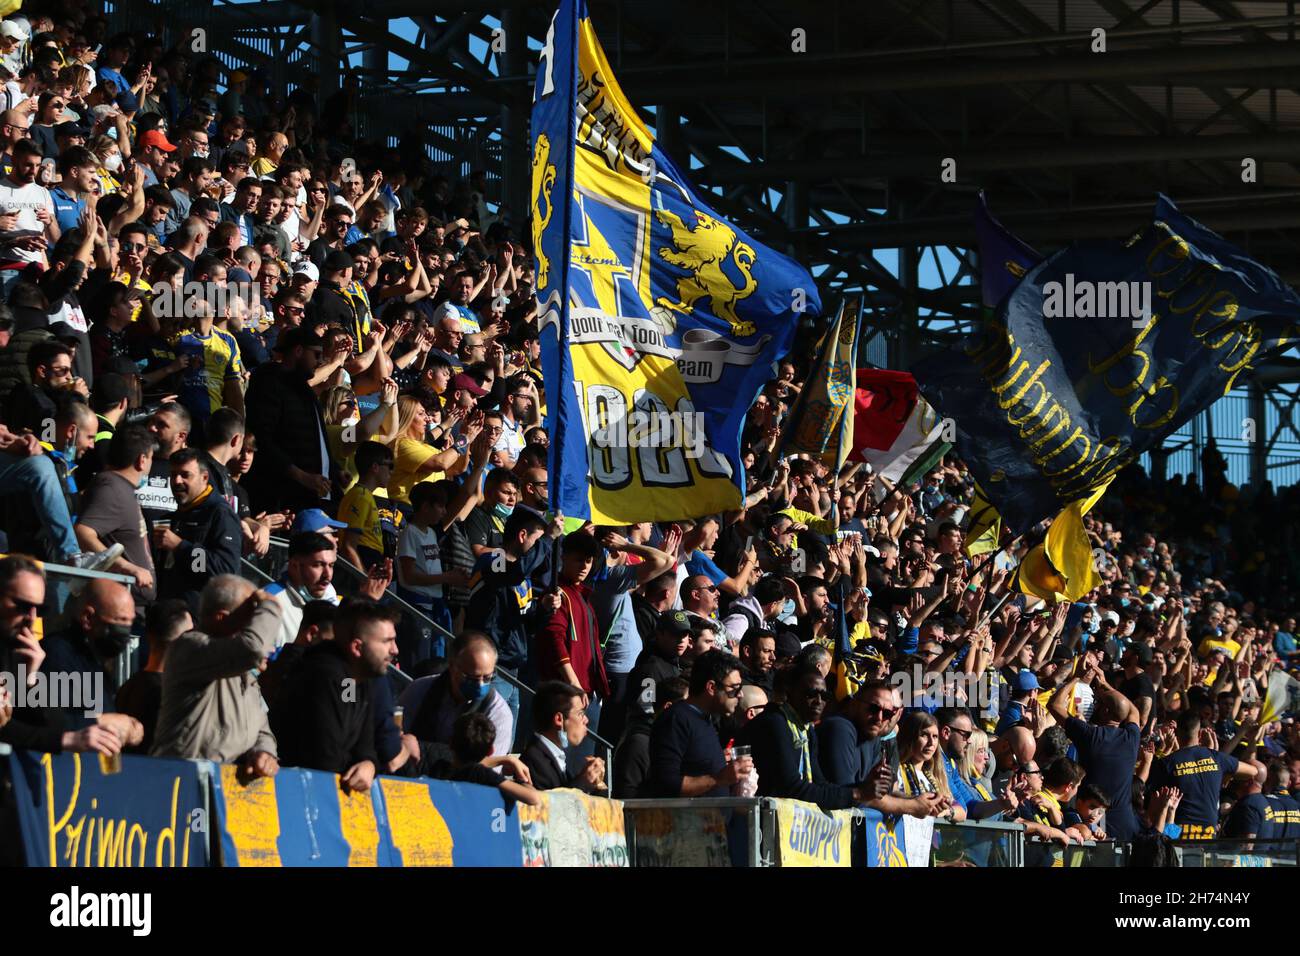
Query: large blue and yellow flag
{"points": [[660, 320], [821, 422], [1098, 353]]}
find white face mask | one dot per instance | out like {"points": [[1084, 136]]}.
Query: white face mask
{"points": [[113, 163]]}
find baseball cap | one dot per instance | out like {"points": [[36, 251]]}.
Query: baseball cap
{"points": [[71, 129], [305, 267], [469, 384], [156, 139], [675, 621], [13, 30], [1026, 680], [127, 101], [313, 519]]}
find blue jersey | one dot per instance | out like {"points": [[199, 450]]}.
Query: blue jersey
{"points": [[213, 360]]}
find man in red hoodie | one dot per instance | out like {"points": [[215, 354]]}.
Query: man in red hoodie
{"points": [[568, 647]]}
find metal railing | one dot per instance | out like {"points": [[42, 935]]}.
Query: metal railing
{"points": [[1238, 852], [978, 843], [757, 845], [391, 594]]}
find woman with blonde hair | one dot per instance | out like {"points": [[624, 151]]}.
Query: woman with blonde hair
{"points": [[414, 460], [109, 158], [974, 768], [920, 762], [346, 430]]}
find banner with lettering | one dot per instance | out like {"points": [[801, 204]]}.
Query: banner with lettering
{"points": [[660, 319], [808, 836], [1099, 353], [303, 818], [572, 828], [83, 810]]}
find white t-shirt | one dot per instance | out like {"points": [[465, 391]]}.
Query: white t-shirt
{"points": [[25, 200], [423, 547]]}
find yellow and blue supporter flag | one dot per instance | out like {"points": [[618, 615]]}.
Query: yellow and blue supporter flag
{"points": [[660, 319], [821, 422]]}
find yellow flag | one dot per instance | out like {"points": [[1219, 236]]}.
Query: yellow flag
{"points": [[1062, 568], [985, 526]]}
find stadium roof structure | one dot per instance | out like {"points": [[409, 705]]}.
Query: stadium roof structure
{"points": [[825, 127]]}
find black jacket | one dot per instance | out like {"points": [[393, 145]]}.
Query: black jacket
{"points": [[546, 775], [210, 545], [321, 721], [286, 418], [651, 667], [777, 759], [329, 306], [632, 762], [646, 617]]}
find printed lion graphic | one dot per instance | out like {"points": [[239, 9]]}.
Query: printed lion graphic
{"points": [[703, 250], [543, 183]]}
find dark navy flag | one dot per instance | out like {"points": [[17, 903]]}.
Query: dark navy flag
{"points": [[1099, 353], [1004, 258]]}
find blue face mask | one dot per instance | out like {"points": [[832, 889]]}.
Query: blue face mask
{"points": [[472, 690], [143, 482], [503, 511], [787, 609], [1123, 602]]}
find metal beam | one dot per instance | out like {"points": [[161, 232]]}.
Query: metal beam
{"points": [[962, 73], [1246, 214], [1010, 156]]}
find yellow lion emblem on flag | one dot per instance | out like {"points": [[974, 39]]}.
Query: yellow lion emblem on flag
{"points": [[702, 251], [543, 183]]}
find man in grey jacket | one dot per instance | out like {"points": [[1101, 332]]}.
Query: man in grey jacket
{"points": [[211, 703]]}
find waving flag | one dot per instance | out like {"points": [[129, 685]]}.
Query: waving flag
{"points": [[821, 422], [1099, 353], [660, 319], [1004, 257], [894, 429], [1062, 567]]}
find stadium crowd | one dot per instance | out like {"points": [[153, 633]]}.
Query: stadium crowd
{"points": [[226, 320]]}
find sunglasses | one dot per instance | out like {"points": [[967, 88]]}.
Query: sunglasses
{"points": [[27, 607], [882, 711], [733, 692], [965, 734]]}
